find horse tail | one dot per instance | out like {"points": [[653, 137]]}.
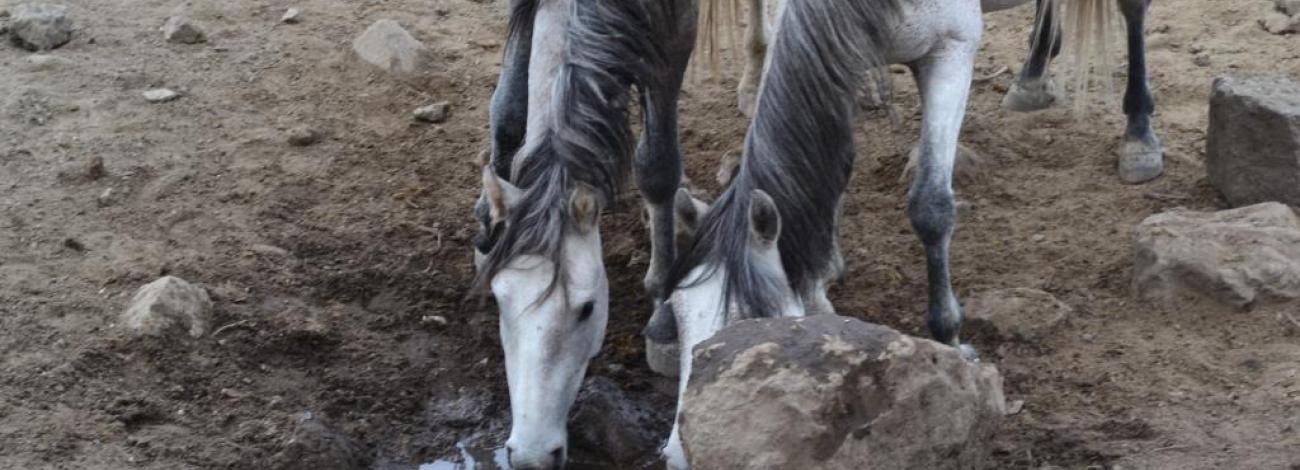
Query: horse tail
{"points": [[1090, 29]]}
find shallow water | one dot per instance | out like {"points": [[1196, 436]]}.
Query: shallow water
{"points": [[475, 458], [472, 459]]}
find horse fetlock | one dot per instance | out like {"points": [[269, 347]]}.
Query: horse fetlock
{"points": [[1028, 95]]}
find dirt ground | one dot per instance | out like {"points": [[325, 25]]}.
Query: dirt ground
{"points": [[375, 221]]}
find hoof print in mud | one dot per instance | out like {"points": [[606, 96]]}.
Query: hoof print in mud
{"points": [[836, 393]]}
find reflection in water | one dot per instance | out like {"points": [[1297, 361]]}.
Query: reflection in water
{"points": [[472, 459]]}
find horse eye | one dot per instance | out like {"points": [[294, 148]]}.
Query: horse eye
{"points": [[586, 311]]}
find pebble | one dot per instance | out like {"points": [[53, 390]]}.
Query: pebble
{"points": [[1015, 406], [181, 30], [302, 136], [105, 198], [291, 16], [438, 319], [435, 113], [160, 95], [1201, 60]]}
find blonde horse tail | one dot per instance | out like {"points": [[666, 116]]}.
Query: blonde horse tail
{"points": [[1089, 30]]}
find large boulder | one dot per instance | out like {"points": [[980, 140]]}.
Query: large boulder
{"points": [[166, 304], [831, 392], [39, 27], [1238, 257], [1253, 148], [388, 46]]}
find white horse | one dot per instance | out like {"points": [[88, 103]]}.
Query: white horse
{"points": [[769, 245], [561, 148]]}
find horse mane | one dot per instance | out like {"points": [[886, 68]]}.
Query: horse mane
{"points": [[610, 46], [799, 149]]}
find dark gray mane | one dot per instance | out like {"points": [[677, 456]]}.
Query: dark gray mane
{"points": [[799, 150], [610, 47]]}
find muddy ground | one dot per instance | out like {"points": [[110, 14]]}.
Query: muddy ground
{"points": [[375, 222]]}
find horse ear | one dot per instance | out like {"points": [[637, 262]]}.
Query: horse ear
{"points": [[585, 208], [764, 219], [688, 211], [500, 195]]}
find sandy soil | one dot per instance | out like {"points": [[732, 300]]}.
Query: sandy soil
{"points": [[375, 220]]}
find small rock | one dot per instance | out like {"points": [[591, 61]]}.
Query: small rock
{"points": [[105, 198], [1252, 149], [836, 393], [1238, 257], [302, 136], [41, 62], [1038, 238], [1201, 60], [169, 303], [386, 45], [38, 27], [74, 244], [435, 319], [435, 113], [315, 445], [160, 95], [1279, 23], [180, 29], [291, 16], [1015, 407], [607, 426], [268, 250], [1018, 314]]}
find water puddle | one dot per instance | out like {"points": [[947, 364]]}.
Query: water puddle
{"points": [[472, 459]]}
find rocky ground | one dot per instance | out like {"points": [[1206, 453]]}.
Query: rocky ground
{"points": [[330, 227]]}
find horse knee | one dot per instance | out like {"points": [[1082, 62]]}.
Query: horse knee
{"points": [[932, 211]]}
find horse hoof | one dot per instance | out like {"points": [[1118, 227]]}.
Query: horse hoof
{"points": [[1141, 160], [663, 358], [968, 353], [1029, 96]]}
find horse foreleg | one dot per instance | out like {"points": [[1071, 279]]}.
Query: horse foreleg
{"points": [[755, 56], [1034, 89], [1141, 157], [509, 108], [943, 78]]}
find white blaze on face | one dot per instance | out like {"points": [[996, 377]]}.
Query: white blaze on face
{"points": [[548, 345]]}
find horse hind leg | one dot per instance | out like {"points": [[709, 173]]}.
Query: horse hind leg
{"points": [[944, 81], [1141, 156], [1034, 89]]}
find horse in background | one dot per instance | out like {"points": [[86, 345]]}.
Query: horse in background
{"points": [[1087, 27]]}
